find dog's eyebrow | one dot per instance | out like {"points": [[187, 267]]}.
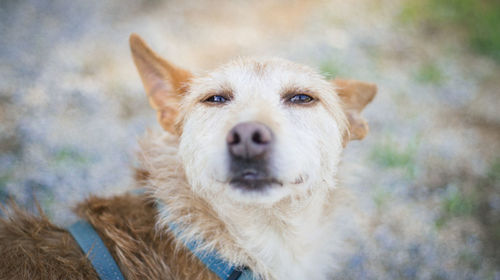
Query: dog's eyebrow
{"points": [[291, 90], [224, 91]]}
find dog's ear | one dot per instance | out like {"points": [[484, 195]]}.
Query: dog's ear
{"points": [[165, 84], [355, 95]]}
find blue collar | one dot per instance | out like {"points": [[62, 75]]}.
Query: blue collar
{"points": [[212, 259], [107, 269]]}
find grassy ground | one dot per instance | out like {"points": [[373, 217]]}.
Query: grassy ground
{"points": [[427, 178], [478, 20]]}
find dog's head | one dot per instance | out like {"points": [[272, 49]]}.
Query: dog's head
{"points": [[254, 130]]}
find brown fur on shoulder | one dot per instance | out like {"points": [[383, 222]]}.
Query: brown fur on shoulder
{"points": [[127, 226], [33, 248]]}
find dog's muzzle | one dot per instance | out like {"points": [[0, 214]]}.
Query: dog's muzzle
{"points": [[249, 145]]}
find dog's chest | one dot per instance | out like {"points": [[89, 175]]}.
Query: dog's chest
{"points": [[299, 257], [300, 248]]}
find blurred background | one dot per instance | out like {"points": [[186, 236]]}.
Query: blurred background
{"points": [[427, 176]]}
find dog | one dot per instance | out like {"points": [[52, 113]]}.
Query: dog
{"points": [[246, 165]]}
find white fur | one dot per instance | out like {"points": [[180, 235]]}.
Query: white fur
{"points": [[286, 232]]}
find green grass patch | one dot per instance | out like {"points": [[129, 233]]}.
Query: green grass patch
{"points": [[330, 69], [392, 154], [66, 155], [470, 259], [456, 203], [494, 173], [479, 19], [46, 200], [429, 73], [4, 179], [380, 197]]}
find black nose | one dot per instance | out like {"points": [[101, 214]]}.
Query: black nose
{"points": [[249, 140]]}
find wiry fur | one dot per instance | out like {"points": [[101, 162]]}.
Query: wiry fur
{"points": [[287, 231], [293, 238], [33, 248]]}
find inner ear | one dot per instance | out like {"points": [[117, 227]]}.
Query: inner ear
{"points": [[355, 95], [165, 84]]}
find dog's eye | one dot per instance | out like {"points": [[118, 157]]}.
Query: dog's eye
{"points": [[216, 99], [300, 99]]}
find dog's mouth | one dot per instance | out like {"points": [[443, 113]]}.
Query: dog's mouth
{"points": [[253, 180]]}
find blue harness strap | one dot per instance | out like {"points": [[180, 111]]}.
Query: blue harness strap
{"points": [[212, 259], [107, 269], [246, 274], [92, 245]]}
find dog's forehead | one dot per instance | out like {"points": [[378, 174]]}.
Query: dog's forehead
{"points": [[266, 72], [247, 74], [274, 68]]}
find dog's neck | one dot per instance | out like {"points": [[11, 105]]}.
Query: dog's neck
{"points": [[278, 242], [285, 238]]}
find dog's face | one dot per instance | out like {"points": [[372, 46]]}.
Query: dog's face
{"points": [[260, 130], [254, 130]]}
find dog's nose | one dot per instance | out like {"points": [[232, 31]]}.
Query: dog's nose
{"points": [[249, 140]]}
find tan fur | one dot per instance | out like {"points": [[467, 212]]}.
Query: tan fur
{"points": [[355, 96], [269, 232], [33, 248], [285, 232], [200, 221], [163, 97]]}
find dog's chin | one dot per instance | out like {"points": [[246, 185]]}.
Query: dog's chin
{"points": [[256, 190], [254, 184]]}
